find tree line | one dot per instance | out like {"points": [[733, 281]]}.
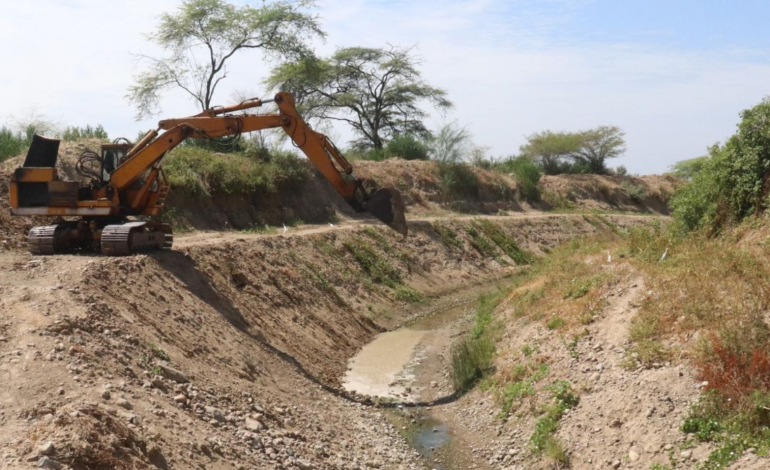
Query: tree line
{"points": [[379, 93]]}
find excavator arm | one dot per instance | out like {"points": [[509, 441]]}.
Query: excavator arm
{"points": [[385, 204]]}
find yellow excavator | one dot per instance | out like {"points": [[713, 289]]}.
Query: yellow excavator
{"points": [[129, 182]]}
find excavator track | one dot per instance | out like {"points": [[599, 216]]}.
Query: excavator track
{"points": [[42, 240], [134, 237]]}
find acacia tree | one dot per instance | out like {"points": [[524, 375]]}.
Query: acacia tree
{"points": [[377, 91], [599, 144], [203, 35], [575, 152], [550, 149]]}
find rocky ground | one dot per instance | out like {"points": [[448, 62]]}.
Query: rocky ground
{"points": [[224, 353]]}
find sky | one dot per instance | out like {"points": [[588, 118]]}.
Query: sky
{"points": [[674, 75]]}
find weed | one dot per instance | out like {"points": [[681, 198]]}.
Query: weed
{"points": [[447, 235], [555, 323], [481, 243], [159, 353], [458, 181], [471, 359], [408, 294], [572, 347], [472, 356], [528, 350], [563, 399], [507, 244], [375, 265], [636, 193]]}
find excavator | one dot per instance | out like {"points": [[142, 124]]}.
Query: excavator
{"points": [[126, 183]]}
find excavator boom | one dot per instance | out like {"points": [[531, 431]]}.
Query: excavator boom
{"points": [[131, 181]]}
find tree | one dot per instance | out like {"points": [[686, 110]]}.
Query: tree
{"points": [[452, 144], [376, 91], [575, 152], [203, 35], [599, 144], [688, 169], [551, 150]]}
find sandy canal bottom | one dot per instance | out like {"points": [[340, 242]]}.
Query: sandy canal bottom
{"points": [[384, 367]]}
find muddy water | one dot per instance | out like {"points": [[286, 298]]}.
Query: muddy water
{"points": [[382, 368], [408, 366]]}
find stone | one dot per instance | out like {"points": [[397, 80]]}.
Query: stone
{"points": [[254, 425], [173, 374], [305, 465], [686, 454], [159, 384], [47, 448], [106, 395], [180, 398], [215, 413], [633, 455], [123, 403], [45, 462], [616, 464]]}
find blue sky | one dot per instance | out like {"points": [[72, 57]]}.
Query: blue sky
{"points": [[673, 74]]}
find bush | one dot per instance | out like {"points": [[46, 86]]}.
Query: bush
{"points": [[471, 358], [200, 172], [458, 179], [407, 147], [636, 192], [73, 133], [527, 176], [451, 144], [12, 143], [729, 186]]}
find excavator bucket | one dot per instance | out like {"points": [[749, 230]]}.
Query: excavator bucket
{"points": [[387, 205]]}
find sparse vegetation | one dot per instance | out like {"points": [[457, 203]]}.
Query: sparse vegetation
{"points": [[503, 241], [448, 236], [376, 265], [74, 133], [636, 193], [471, 357], [200, 172], [563, 398]]}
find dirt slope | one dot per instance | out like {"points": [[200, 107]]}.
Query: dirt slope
{"points": [[221, 355]]}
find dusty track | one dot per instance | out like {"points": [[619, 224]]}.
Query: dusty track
{"points": [[225, 352], [207, 238]]}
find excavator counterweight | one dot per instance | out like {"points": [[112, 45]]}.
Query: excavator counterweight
{"points": [[130, 183]]}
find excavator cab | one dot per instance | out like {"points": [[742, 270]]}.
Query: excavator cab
{"points": [[112, 156]]}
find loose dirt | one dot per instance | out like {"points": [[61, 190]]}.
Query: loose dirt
{"points": [[229, 351]]}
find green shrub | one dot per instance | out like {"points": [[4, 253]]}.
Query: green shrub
{"points": [[527, 175], [200, 172], [563, 399], [408, 147], [471, 358], [636, 192], [729, 186], [458, 180]]}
